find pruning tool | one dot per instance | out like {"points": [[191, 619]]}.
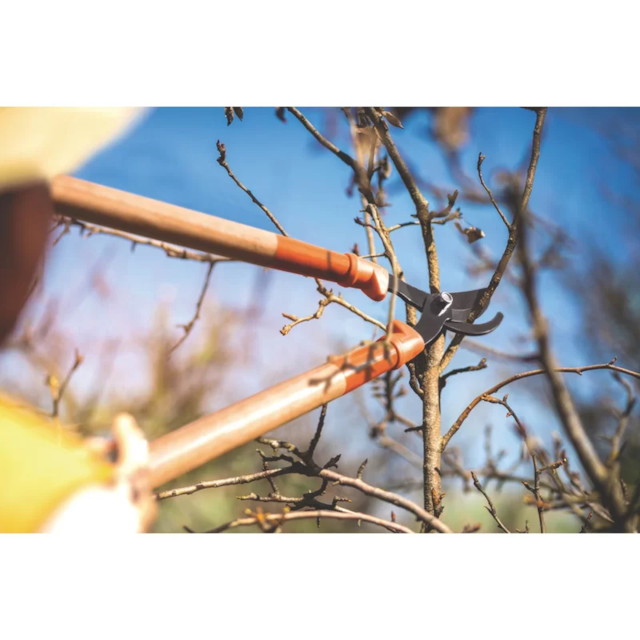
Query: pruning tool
{"points": [[190, 446]]}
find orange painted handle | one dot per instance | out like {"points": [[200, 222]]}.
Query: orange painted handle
{"points": [[149, 218], [205, 439]]}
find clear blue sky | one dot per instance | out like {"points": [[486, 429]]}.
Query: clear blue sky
{"points": [[171, 156]]}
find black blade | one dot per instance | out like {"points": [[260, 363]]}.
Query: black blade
{"points": [[415, 297], [474, 329], [429, 326], [466, 300]]}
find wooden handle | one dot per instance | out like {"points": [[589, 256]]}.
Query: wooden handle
{"points": [[149, 218], [195, 444]]}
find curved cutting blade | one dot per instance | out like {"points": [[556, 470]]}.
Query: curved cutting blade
{"points": [[474, 329]]}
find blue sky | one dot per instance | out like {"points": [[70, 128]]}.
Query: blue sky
{"points": [[171, 156]]}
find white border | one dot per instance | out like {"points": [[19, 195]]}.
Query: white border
{"points": [[256, 53], [327, 586]]}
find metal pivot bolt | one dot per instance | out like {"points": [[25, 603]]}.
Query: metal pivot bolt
{"points": [[443, 302]]}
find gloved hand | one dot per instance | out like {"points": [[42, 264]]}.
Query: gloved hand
{"points": [[126, 504]]}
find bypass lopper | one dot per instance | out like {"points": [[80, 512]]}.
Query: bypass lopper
{"points": [[195, 444]]}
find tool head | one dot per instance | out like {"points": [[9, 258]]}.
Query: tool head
{"points": [[442, 311]]}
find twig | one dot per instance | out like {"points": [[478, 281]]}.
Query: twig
{"points": [[275, 520], [474, 367], [481, 159], [222, 161], [187, 328], [474, 346], [308, 455], [622, 421], [402, 225], [346, 158], [491, 509], [540, 503], [172, 251], [420, 202], [329, 298], [296, 321], [391, 255], [360, 154], [214, 484], [57, 389]]}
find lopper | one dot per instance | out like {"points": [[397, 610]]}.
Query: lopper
{"points": [[195, 444]]}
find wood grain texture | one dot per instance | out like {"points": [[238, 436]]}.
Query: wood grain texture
{"points": [[150, 218], [212, 436]]}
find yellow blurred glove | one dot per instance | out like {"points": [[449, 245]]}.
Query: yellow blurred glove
{"points": [[39, 143], [53, 481]]}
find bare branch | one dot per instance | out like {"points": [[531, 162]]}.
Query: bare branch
{"points": [[475, 346], [172, 251], [539, 502], [187, 328], [214, 484], [562, 400], [347, 159], [491, 509], [272, 522], [336, 478], [329, 298], [386, 496], [474, 367], [521, 376], [316, 436], [222, 161], [622, 421], [57, 389], [481, 159], [512, 241], [420, 202]]}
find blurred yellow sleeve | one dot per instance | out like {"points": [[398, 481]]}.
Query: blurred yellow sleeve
{"points": [[39, 143], [40, 469]]}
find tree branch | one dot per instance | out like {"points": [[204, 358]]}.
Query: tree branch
{"points": [[564, 405], [188, 327], [222, 161], [491, 509], [521, 376], [272, 522], [512, 241]]}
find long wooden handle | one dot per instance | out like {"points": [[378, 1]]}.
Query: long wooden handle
{"points": [[195, 444], [127, 212]]}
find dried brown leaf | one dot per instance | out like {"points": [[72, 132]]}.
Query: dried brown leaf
{"points": [[392, 119]]}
